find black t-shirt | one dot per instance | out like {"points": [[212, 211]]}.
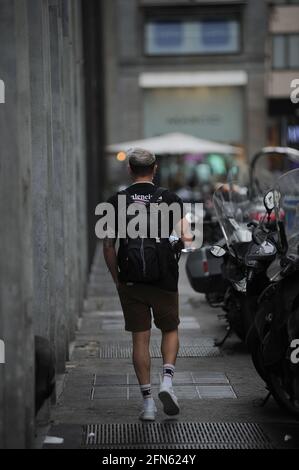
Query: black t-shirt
{"points": [[142, 193]]}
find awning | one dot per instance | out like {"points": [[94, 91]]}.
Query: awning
{"points": [[175, 144]]}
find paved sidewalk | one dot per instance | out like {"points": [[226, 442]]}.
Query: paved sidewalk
{"points": [[219, 391]]}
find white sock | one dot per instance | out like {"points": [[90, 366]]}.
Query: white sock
{"points": [[146, 391], [168, 374]]}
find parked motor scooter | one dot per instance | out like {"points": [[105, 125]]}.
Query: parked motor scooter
{"points": [[274, 336], [246, 256]]}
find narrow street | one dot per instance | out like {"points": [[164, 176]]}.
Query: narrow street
{"points": [[95, 97], [220, 393]]}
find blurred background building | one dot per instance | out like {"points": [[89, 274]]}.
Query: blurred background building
{"points": [[282, 64], [215, 69]]}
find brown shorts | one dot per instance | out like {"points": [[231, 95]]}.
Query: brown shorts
{"points": [[139, 301]]}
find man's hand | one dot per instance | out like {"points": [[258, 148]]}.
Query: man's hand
{"points": [[184, 232], [111, 259]]}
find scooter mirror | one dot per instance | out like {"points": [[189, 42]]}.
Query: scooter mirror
{"points": [[271, 200], [217, 251]]}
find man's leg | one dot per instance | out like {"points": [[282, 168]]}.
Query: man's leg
{"points": [[170, 348], [141, 357], [142, 365]]}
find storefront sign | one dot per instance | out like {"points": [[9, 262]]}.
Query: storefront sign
{"points": [[213, 113]]}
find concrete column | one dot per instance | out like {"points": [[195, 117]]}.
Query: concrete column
{"points": [[73, 107], [58, 177], [71, 166], [39, 37], [16, 271], [41, 131], [80, 145]]}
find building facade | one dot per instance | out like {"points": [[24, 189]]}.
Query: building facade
{"points": [[283, 73], [200, 67], [191, 66]]}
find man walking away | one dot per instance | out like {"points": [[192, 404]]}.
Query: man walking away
{"points": [[145, 272]]}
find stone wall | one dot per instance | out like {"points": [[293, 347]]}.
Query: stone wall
{"points": [[43, 197]]}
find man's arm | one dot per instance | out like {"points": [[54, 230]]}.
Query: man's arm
{"points": [[111, 258], [183, 230], [181, 225]]}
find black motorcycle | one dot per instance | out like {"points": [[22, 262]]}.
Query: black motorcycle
{"points": [[274, 336]]}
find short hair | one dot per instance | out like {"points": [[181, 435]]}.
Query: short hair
{"points": [[142, 170], [141, 161]]}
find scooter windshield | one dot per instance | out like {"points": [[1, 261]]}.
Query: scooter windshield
{"points": [[269, 165], [232, 207], [286, 200]]}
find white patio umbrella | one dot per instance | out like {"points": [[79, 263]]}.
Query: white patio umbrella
{"points": [[175, 144]]}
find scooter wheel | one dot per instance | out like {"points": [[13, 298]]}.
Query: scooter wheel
{"points": [[281, 391]]}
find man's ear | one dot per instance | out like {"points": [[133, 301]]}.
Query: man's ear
{"points": [[155, 169]]}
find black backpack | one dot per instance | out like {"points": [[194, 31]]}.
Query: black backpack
{"points": [[147, 260]]}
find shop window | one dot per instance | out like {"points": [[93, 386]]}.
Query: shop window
{"points": [[192, 36], [286, 51]]}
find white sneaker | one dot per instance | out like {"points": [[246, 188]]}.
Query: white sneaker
{"points": [[169, 401], [148, 413]]}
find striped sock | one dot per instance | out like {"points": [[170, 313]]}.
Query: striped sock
{"points": [[168, 374], [146, 391]]}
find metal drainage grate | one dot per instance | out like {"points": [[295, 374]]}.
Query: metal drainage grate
{"points": [[175, 436], [123, 350]]}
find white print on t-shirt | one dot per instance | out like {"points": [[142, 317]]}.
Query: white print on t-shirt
{"points": [[143, 198]]}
